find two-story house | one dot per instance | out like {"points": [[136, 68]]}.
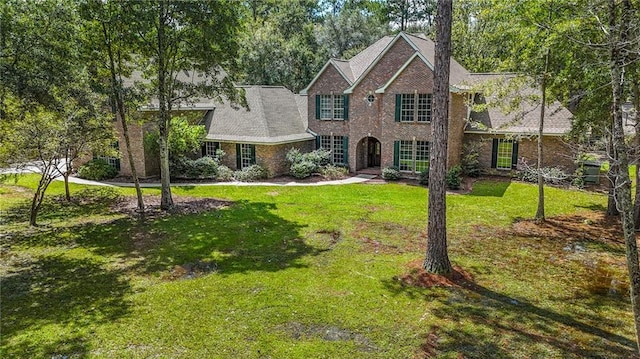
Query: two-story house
{"points": [[374, 110]]}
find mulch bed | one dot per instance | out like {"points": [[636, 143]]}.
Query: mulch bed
{"points": [[418, 277], [181, 205]]}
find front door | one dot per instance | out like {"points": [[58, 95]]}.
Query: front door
{"points": [[373, 152]]}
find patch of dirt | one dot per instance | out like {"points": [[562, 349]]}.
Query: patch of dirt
{"points": [[588, 226], [191, 270], [334, 236], [418, 277], [429, 349], [327, 332], [411, 241], [181, 205]]}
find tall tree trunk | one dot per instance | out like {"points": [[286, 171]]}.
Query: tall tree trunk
{"points": [[636, 105], [116, 83], [166, 201], [543, 89], [612, 209], [618, 42], [437, 257]]}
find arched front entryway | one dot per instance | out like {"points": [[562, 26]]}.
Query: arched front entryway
{"points": [[369, 150]]}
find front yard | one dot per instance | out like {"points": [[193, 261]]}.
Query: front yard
{"points": [[310, 272]]}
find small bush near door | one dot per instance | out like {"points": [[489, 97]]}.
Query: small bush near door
{"points": [[391, 173]]}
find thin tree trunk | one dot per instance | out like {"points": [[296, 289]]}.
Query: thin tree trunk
{"points": [[44, 182], [67, 193], [623, 182], [437, 257], [612, 209], [636, 105], [166, 201], [116, 84], [543, 89]]}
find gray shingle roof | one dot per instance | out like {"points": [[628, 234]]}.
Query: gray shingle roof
{"points": [[273, 117], [458, 74], [523, 119]]}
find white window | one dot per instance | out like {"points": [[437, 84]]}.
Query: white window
{"points": [[407, 111], [338, 107], [424, 107], [413, 107], [246, 155], [335, 144], [210, 148], [505, 154], [412, 156], [325, 107], [422, 156]]}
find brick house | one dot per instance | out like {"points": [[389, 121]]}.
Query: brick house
{"points": [[374, 111], [273, 123]]}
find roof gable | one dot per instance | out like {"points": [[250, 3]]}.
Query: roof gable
{"points": [[415, 56], [339, 65]]}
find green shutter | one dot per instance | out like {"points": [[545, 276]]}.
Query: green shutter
{"points": [[396, 154], [398, 106], [345, 100], [317, 107], [317, 142], [514, 155], [345, 149], [238, 158], [494, 154], [253, 154]]}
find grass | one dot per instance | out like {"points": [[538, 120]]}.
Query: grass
{"points": [[305, 272]]}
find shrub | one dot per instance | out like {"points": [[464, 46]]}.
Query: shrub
{"points": [[553, 175], [391, 173], [302, 169], [294, 156], [454, 177], [250, 174], [333, 172], [423, 177], [470, 161], [305, 164], [97, 170], [320, 157], [224, 173], [204, 167]]}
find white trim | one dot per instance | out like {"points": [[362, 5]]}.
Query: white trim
{"points": [[406, 64], [377, 59], [473, 132], [330, 62], [260, 142]]}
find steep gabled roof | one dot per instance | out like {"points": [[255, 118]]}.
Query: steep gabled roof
{"points": [[273, 117], [417, 55], [523, 120]]}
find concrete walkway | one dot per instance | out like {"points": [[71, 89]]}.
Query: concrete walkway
{"points": [[355, 179], [72, 179]]}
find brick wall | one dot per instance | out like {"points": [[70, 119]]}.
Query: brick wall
{"points": [[270, 157], [555, 152], [378, 119]]}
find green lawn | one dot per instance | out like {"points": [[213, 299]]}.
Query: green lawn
{"points": [[306, 272]]}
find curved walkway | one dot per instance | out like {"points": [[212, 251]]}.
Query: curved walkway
{"points": [[355, 179]]}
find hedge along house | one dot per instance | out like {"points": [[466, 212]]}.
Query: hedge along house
{"points": [[374, 111]]}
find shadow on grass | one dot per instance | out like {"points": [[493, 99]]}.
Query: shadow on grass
{"points": [[595, 207], [490, 188], [87, 202], [488, 324], [60, 298], [246, 236]]}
